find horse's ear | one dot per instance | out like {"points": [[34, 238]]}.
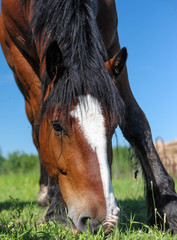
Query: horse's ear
{"points": [[117, 63], [54, 60]]}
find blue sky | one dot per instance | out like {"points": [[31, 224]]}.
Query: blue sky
{"points": [[148, 28]]}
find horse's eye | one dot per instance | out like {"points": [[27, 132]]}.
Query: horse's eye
{"points": [[58, 128]]}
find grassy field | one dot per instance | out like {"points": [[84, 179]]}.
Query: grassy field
{"points": [[20, 216]]}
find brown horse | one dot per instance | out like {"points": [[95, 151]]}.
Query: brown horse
{"points": [[67, 62]]}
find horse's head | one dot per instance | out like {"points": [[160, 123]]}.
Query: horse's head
{"points": [[77, 150]]}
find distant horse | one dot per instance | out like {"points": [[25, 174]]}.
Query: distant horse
{"points": [[67, 62]]}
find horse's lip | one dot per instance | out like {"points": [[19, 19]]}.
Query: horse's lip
{"points": [[111, 221], [109, 224]]}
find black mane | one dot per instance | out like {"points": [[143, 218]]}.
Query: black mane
{"points": [[72, 23]]}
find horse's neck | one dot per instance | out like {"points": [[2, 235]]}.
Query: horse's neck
{"points": [[20, 55]]}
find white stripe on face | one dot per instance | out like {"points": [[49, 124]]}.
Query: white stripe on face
{"points": [[91, 120]]}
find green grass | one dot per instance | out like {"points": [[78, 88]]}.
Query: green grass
{"points": [[20, 217]]}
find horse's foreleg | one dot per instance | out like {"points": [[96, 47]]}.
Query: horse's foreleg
{"points": [[159, 185], [43, 198], [43, 181]]}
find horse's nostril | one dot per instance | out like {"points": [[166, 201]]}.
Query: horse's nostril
{"points": [[84, 220], [86, 223]]}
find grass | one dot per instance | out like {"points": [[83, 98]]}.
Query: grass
{"points": [[20, 216]]}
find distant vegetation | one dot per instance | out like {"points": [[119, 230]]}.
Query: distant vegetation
{"points": [[18, 162], [123, 163]]}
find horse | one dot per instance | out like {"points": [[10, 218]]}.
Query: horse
{"points": [[68, 64]]}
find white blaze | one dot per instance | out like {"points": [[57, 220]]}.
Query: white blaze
{"points": [[91, 120]]}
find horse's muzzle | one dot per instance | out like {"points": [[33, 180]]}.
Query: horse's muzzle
{"points": [[85, 222]]}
